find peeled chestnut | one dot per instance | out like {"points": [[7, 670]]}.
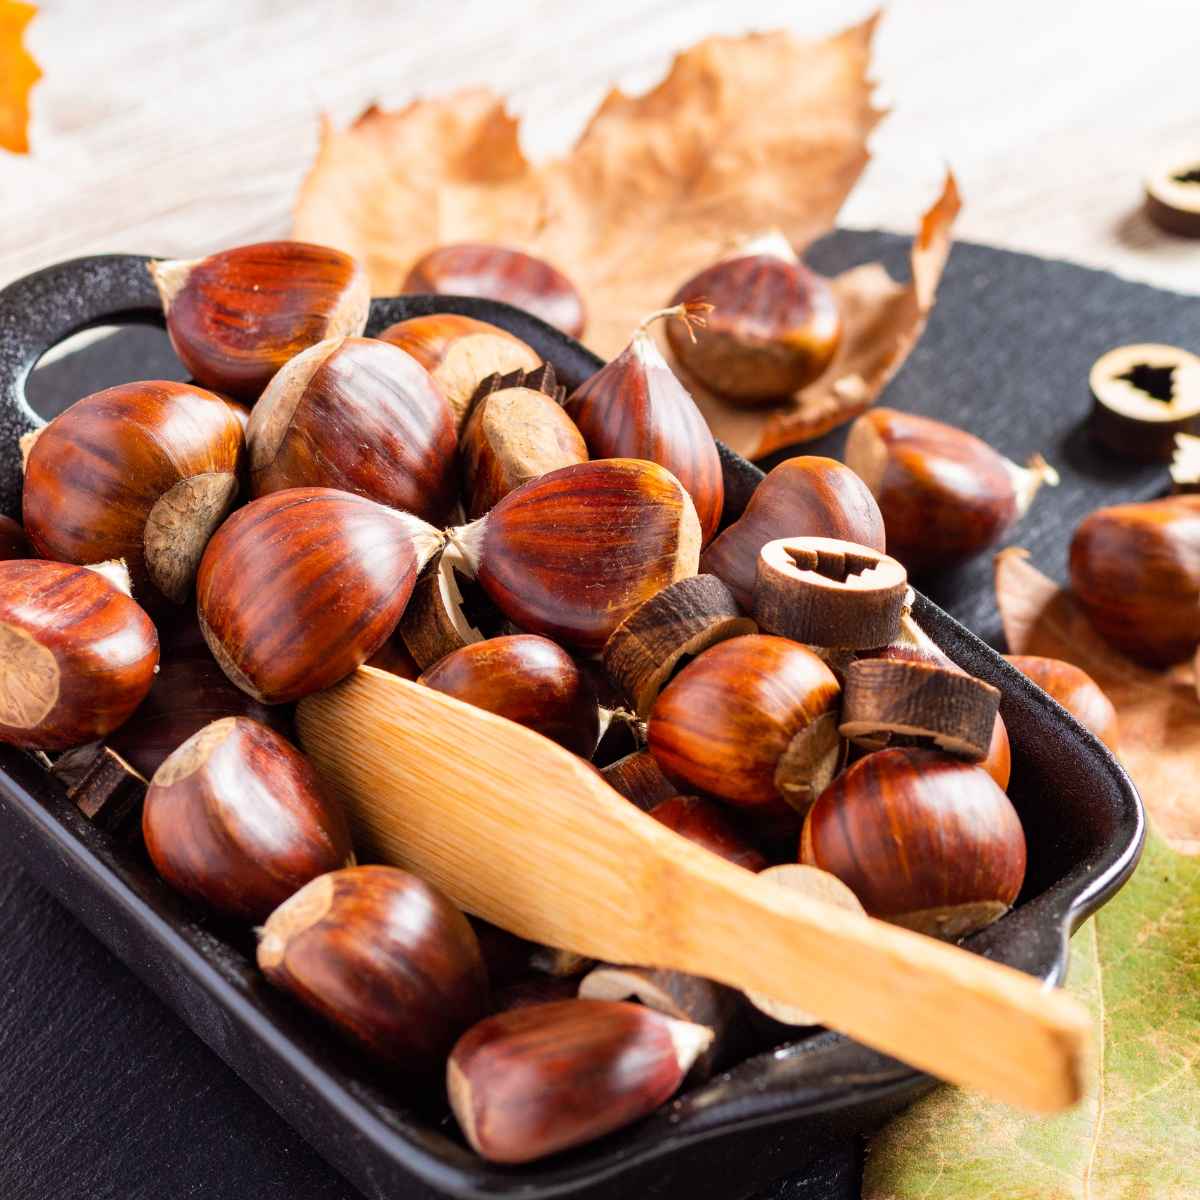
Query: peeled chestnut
{"points": [[500, 273], [142, 472], [529, 680], [944, 494], [536, 1080], [360, 415], [1135, 570], [572, 554], [77, 655], [1075, 690], [460, 353], [922, 839], [300, 587], [634, 407], [385, 958], [774, 327], [701, 821], [237, 316], [750, 720], [13, 542], [806, 496], [236, 819]]}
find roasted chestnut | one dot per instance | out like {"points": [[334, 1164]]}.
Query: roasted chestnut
{"points": [[1075, 690], [701, 821], [236, 819]]}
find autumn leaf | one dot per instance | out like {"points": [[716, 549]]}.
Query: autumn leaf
{"points": [[745, 135], [18, 74], [1136, 964]]}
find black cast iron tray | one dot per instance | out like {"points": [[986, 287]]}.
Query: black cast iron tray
{"points": [[766, 1117]]}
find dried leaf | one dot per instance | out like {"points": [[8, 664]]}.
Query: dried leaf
{"points": [[1137, 1134], [18, 74], [745, 135], [1158, 710]]}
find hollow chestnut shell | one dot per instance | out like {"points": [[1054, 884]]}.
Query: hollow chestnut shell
{"points": [[77, 655], [236, 819]]}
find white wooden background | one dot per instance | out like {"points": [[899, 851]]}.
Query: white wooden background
{"points": [[178, 127]]}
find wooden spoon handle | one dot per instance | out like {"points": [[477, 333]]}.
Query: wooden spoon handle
{"points": [[519, 831]]}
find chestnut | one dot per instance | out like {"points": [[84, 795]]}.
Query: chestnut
{"points": [[945, 495], [237, 316], [360, 415], [922, 839], [701, 821], [749, 721], [77, 655], [460, 353], [572, 554], [1075, 690], [808, 496], [634, 407], [235, 818], [500, 273], [300, 587], [1135, 570], [13, 542], [528, 679], [385, 958], [774, 327], [536, 1080], [143, 472]]}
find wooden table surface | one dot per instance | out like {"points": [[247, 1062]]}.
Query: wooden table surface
{"points": [[178, 128]]}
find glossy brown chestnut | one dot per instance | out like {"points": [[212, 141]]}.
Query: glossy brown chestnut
{"points": [[360, 415], [460, 353], [383, 957], [701, 821], [1075, 690], [529, 680], [237, 316], [922, 839], [13, 542], [236, 819], [774, 327], [944, 494], [749, 721], [144, 472], [77, 655], [634, 407], [533, 1081], [808, 496], [572, 554], [300, 587], [1135, 569], [500, 273]]}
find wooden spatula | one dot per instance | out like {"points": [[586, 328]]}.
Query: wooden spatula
{"points": [[521, 832]]}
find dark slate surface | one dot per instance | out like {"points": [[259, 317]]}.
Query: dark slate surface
{"points": [[108, 1095]]}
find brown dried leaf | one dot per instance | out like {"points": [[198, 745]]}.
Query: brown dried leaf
{"points": [[18, 74], [745, 135], [1159, 711]]}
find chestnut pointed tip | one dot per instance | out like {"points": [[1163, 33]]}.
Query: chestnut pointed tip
{"points": [[299, 912], [170, 276], [194, 753], [689, 1041]]}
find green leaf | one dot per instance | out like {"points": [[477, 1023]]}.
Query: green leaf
{"points": [[1136, 964]]}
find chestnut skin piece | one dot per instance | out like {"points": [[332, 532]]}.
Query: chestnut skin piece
{"points": [[460, 353], [385, 958], [500, 273], [143, 472], [1075, 690], [536, 1080], [774, 327], [807, 496], [1135, 570], [300, 587], [13, 542], [727, 724], [922, 839], [236, 819], [360, 415], [572, 554], [528, 679], [237, 316], [77, 655], [701, 821]]}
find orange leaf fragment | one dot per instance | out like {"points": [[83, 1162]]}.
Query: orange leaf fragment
{"points": [[18, 74]]}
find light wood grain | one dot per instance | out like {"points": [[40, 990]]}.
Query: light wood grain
{"points": [[175, 129], [519, 831]]}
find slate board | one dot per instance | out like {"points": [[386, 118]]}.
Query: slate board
{"points": [[106, 1094]]}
